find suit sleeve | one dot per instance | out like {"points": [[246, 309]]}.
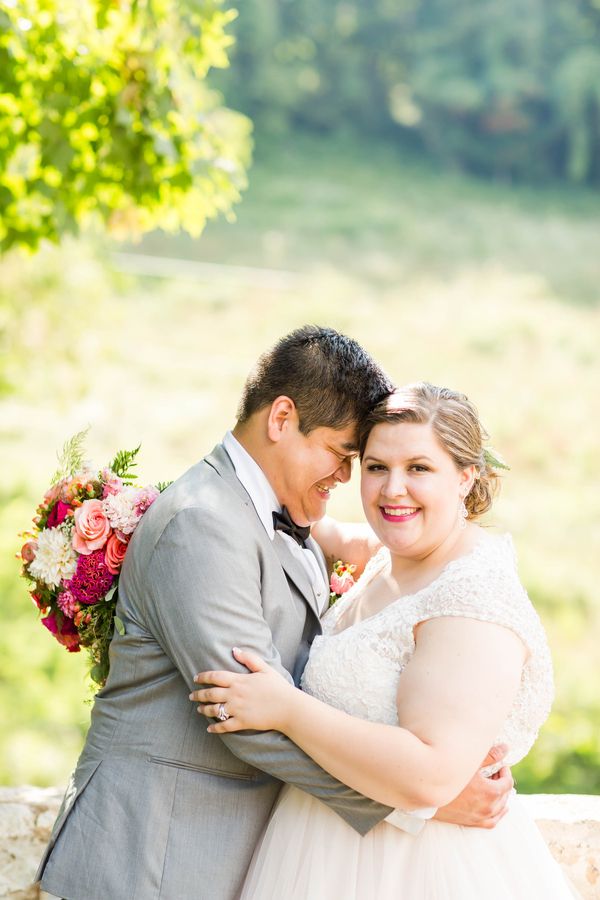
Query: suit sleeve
{"points": [[204, 598]]}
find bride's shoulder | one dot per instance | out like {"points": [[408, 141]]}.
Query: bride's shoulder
{"points": [[495, 549], [489, 571]]}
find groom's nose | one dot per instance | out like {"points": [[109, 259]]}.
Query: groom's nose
{"points": [[344, 471]]}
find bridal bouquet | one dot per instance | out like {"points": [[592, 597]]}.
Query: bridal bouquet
{"points": [[73, 556]]}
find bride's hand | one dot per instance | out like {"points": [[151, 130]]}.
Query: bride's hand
{"points": [[256, 701]]}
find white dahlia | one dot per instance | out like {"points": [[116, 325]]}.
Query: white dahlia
{"points": [[55, 560], [120, 510]]}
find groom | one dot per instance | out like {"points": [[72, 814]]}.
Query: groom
{"points": [[157, 809]]}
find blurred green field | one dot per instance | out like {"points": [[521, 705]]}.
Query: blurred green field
{"points": [[489, 288]]}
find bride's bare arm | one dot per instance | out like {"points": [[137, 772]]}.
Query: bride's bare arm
{"points": [[453, 697], [352, 542]]}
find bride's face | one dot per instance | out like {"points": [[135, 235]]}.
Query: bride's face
{"points": [[411, 488]]}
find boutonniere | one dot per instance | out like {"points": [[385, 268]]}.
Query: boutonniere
{"points": [[341, 580]]}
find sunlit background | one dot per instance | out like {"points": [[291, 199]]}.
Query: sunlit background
{"points": [[425, 182]]}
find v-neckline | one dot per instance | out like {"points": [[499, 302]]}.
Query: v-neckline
{"points": [[481, 542]]}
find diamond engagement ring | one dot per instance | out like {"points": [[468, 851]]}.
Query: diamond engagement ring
{"points": [[222, 714]]}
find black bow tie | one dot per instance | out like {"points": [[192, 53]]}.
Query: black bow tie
{"points": [[283, 522]]}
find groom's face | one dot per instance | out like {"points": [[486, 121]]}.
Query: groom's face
{"points": [[312, 466]]}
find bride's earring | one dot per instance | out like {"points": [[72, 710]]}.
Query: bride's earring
{"points": [[463, 513]]}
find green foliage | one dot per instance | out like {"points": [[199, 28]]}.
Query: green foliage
{"points": [[105, 114], [503, 88], [577, 93], [124, 462], [493, 459]]}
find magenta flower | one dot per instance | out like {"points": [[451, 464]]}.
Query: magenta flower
{"points": [[64, 631], [58, 514], [92, 579]]}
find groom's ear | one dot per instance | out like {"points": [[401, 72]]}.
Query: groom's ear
{"points": [[282, 415]]}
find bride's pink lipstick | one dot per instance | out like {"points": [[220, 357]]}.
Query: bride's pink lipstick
{"points": [[402, 513]]}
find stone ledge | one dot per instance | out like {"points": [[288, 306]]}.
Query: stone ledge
{"points": [[570, 824], [26, 818]]}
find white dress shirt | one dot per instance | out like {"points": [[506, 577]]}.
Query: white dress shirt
{"points": [[265, 502]]}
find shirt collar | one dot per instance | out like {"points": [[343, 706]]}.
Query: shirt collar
{"points": [[254, 480]]}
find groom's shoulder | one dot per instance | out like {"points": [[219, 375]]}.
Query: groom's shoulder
{"points": [[209, 487]]}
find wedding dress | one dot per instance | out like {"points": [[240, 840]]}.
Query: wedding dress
{"points": [[309, 853]]}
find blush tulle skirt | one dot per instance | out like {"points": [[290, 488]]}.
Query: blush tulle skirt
{"points": [[309, 853]]}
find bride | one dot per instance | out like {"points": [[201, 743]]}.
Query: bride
{"points": [[432, 657]]}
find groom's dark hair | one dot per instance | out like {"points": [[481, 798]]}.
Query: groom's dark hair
{"points": [[330, 378]]}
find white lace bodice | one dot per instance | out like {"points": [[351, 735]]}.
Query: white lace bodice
{"points": [[357, 669]]}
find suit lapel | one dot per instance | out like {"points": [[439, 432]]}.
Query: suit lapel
{"points": [[219, 460], [296, 571]]}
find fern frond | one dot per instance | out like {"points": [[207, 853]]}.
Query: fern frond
{"points": [[124, 462], [162, 486], [70, 459], [494, 460]]}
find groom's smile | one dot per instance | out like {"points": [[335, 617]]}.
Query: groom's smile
{"points": [[312, 465]]}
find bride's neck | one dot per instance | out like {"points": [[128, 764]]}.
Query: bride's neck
{"points": [[406, 569]]}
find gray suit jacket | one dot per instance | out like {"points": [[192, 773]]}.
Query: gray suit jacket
{"points": [[157, 809]]}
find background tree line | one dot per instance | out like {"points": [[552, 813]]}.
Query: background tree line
{"points": [[502, 88]]}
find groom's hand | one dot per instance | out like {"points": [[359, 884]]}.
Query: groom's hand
{"points": [[484, 800]]}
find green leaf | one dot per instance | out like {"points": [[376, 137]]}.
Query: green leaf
{"points": [[494, 460], [89, 87], [97, 674], [124, 462], [119, 625]]}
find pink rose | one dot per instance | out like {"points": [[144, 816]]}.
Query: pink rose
{"points": [[58, 514], [114, 553], [339, 584], [28, 551], [92, 528]]}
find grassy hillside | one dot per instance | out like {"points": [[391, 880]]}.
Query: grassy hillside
{"points": [[489, 288]]}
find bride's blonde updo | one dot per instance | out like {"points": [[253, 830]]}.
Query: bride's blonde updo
{"points": [[455, 422]]}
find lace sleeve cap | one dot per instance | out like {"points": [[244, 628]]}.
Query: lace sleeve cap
{"points": [[484, 585]]}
